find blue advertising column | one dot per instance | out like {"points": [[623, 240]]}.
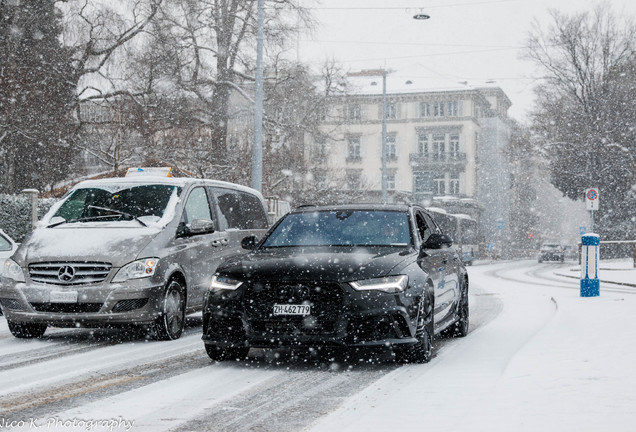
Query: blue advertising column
{"points": [[590, 285]]}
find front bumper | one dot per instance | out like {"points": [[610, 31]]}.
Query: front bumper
{"points": [[341, 317], [95, 305]]}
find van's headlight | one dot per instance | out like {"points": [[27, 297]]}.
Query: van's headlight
{"points": [[137, 269], [389, 284], [224, 283], [12, 270]]}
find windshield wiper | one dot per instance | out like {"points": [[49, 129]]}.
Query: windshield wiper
{"points": [[124, 214], [63, 221]]}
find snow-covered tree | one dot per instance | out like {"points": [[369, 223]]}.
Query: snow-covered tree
{"points": [[585, 118], [36, 97]]}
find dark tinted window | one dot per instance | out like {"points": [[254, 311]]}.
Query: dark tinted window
{"points": [[229, 203], [342, 228], [254, 213], [240, 210]]}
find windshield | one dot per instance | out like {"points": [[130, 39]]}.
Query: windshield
{"points": [[146, 202], [342, 228]]}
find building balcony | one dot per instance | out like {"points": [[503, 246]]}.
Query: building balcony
{"points": [[430, 161]]}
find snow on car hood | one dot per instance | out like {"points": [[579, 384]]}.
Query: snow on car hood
{"points": [[317, 263], [85, 242]]}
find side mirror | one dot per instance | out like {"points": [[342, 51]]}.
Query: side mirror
{"points": [[199, 226], [437, 241], [249, 242]]}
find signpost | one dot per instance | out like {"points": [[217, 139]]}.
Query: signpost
{"points": [[592, 203]]}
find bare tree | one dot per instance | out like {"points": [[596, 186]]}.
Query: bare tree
{"points": [[206, 52]]}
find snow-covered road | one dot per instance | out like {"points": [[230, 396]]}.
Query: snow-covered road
{"points": [[538, 357]]}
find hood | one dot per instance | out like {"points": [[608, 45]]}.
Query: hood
{"points": [[116, 245], [336, 264]]}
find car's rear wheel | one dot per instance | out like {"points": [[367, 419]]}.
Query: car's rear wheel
{"points": [[26, 330], [222, 354], [422, 350], [460, 327], [171, 321]]}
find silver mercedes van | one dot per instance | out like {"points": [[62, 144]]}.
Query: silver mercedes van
{"points": [[127, 251]]}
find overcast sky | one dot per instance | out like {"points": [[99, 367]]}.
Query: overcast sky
{"points": [[471, 41]]}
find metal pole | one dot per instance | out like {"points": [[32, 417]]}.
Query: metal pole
{"points": [[384, 178], [257, 146]]}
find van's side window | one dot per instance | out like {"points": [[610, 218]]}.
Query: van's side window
{"points": [[255, 217], [197, 206], [230, 207]]}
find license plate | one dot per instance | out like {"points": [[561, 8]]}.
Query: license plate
{"points": [[291, 309], [63, 297]]}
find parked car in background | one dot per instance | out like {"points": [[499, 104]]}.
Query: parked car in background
{"points": [[127, 251], [340, 276], [551, 251]]}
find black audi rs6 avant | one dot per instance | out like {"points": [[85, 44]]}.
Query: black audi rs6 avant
{"points": [[340, 276]]}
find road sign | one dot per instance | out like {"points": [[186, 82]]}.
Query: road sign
{"points": [[500, 224], [591, 199], [582, 230]]}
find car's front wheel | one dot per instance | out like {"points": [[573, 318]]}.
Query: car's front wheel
{"points": [[26, 330], [422, 350], [222, 354], [171, 321]]}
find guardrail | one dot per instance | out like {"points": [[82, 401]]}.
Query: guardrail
{"points": [[616, 245]]}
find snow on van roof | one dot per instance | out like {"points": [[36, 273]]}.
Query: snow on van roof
{"points": [[175, 181]]}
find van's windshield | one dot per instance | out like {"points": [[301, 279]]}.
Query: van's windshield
{"points": [[145, 203]]}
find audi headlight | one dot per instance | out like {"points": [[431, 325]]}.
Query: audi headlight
{"points": [[137, 269], [224, 283], [389, 284], [12, 270]]}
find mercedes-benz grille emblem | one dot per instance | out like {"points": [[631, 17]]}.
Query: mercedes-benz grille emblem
{"points": [[66, 274]]}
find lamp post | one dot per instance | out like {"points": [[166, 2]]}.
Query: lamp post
{"points": [[257, 145], [384, 176]]}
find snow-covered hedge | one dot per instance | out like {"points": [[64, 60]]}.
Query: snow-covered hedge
{"points": [[15, 214]]}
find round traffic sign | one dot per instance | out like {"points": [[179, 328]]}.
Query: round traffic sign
{"points": [[592, 194]]}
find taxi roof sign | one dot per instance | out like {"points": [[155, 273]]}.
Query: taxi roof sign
{"points": [[149, 171]]}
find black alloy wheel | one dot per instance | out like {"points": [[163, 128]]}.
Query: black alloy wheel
{"points": [[171, 321], [422, 350], [460, 327]]}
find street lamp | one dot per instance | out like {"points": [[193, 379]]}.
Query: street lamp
{"points": [[257, 145]]}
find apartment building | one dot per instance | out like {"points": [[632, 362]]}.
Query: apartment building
{"points": [[439, 143]]}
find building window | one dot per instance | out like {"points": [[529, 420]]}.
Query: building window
{"points": [[422, 182], [422, 145], [438, 109], [439, 147], [452, 109], [440, 184], [320, 150], [425, 109], [353, 180], [353, 148], [391, 151], [453, 184], [354, 112], [390, 182], [391, 111], [453, 146]]}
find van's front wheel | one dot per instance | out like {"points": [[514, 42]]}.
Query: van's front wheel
{"points": [[171, 321]]}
